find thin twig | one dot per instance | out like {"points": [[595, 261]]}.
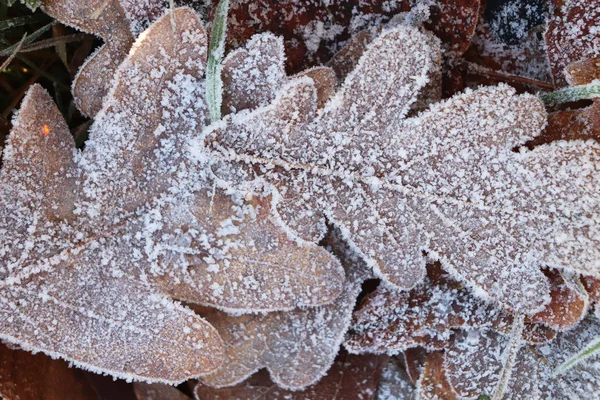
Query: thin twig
{"points": [[43, 44], [7, 62]]}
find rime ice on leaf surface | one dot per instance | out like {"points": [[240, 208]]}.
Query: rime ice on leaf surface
{"points": [[445, 181], [391, 321], [94, 244], [298, 346], [350, 378], [572, 36], [111, 20], [252, 75], [474, 361], [25, 376]]}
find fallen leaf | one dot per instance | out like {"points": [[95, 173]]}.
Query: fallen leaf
{"points": [[94, 244], [350, 378], [27, 376], [395, 383], [157, 391], [474, 362], [368, 170], [298, 346], [572, 35], [391, 321], [117, 22], [508, 43], [433, 384], [314, 31]]}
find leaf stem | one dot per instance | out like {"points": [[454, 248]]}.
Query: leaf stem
{"points": [[514, 345], [574, 93], [214, 84]]}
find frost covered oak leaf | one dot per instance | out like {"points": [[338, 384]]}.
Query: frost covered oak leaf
{"points": [[446, 181], [95, 244], [118, 22], [297, 347]]}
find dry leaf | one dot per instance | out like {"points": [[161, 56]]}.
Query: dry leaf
{"points": [[392, 321], [395, 383], [433, 384], [474, 362], [95, 243], [25, 376], [572, 35], [350, 378], [508, 42], [117, 22], [157, 391], [583, 72], [298, 346], [314, 31], [446, 182]]}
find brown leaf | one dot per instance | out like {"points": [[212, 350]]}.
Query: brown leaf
{"points": [[26, 376], [97, 243], [568, 305], [583, 72], [314, 31], [572, 35], [351, 377], [474, 362], [364, 166], [433, 384], [298, 346], [578, 124], [395, 383], [391, 321], [157, 391], [115, 21]]}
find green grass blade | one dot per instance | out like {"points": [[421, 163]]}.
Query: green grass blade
{"points": [[30, 38], [21, 21], [591, 349], [570, 94], [214, 84]]}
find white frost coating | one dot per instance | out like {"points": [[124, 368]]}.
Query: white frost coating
{"points": [[473, 365], [297, 347], [445, 181], [101, 240]]}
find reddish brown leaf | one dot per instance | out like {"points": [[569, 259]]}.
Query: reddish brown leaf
{"points": [[583, 72], [25, 376], [314, 30], [568, 305], [157, 391], [433, 384], [572, 35]]}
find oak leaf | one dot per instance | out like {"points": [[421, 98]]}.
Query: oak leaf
{"points": [[474, 362], [351, 377], [297, 347], [117, 22], [446, 181], [95, 243], [391, 321], [572, 36]]}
